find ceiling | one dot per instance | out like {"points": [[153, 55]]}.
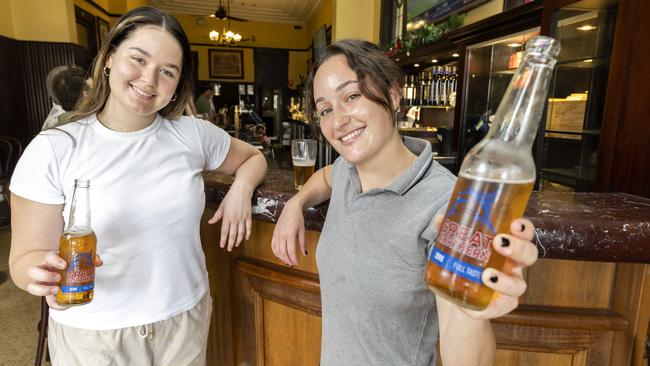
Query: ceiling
{"points": [[273, 11]]}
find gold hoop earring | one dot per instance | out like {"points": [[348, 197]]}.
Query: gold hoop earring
{"points": [[107, 71], [173, 98]]}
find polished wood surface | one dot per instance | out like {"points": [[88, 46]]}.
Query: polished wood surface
{"points": [[624, 152]]}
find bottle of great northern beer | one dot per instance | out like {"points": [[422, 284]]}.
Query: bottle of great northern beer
{"points": [[493, 186], [78, 246]]}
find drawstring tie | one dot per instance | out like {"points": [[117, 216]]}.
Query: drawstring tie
{"points": [[146, 330]]}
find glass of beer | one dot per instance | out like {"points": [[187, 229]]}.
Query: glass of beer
{"points": [[303, 156]]}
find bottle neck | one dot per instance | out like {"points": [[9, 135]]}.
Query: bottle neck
{"points": [[520, 111], [80, 210]]}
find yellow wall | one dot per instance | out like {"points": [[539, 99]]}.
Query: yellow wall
{"points": [[486, 10], [298, 66], [43, 20], [272, 35], [6, 19], [323, 16], [204, 71], [356, 19], [84, 5]]}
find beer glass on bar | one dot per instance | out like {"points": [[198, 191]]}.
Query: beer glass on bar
{"points": [[303, 156]]}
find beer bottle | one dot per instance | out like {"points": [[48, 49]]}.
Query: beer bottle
{"points": [[494, 184], [77, 247]]}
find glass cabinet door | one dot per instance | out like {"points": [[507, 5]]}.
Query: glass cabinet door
{"points": [[568, 144], [489, 69]]}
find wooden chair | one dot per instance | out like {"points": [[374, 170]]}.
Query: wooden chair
{"points": [[42, 334]]}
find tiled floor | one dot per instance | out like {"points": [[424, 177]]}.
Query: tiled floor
{"points": [[19, 315]]}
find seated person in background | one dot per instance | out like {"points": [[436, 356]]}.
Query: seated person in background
{"points": [[65, 85], [204, 104]]}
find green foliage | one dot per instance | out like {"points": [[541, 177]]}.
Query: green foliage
{"points": [[430, 33]]}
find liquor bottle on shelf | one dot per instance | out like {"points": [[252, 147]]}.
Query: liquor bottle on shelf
{"points": [[453, 80], [409, 91], [426, 89], [405, 89], [421, 86], [435, 87]]}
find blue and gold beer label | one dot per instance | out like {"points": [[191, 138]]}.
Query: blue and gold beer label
{"points": [[80, 274], [451, 264]]}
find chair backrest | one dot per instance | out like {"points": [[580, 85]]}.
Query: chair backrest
{"points": [[10, 151], [6, 152]]}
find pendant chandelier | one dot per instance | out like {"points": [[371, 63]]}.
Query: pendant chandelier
{"points": [[225, 38]]}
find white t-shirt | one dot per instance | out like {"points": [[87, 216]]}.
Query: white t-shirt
{"points": [[146, 198]]}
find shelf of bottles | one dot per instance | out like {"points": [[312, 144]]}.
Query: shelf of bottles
{"points": [[435, 87], [428, 100]]}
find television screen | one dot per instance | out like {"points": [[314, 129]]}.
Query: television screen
{"points": [[433, 10]]}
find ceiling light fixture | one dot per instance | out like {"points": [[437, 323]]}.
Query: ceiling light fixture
{"points": [[514, 44], [435, 61], [455, 54], [225, 38]]}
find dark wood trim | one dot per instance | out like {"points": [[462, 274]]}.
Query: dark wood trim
{"points": [[565, 318], [623, 152], [296, 289]]}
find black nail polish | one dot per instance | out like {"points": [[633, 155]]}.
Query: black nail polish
{"points": [[505, 242], [494, 279], [306, 252], [523, 227]]}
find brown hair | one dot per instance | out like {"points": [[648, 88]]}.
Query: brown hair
{"points": [[377, 74], [123, 29]]}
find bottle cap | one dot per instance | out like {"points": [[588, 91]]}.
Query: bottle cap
{"points": [[542, 45]]}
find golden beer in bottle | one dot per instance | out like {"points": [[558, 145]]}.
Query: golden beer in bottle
{"points": [[493, 186], [78, 246]]}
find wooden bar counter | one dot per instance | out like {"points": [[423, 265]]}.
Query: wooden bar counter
{"points": [[587, 303]]}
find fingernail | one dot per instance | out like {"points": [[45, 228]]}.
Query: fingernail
{"points": [[306, 252], [523, 227], [505, 242], [494, 279]]}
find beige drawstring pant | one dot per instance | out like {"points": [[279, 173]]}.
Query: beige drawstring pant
{"points": [[178, 341]]}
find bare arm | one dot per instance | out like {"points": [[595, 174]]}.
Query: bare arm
{"points": [[458, 331], [35, 231], [291, 225], [466, 336], [248, 165]]}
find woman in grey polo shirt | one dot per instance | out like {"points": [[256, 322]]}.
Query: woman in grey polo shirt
{"points": [[384, 193]]}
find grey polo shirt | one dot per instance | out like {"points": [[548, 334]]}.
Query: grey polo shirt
{"points": [[371, 259]]}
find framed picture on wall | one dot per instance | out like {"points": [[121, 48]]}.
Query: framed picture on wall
{"points": [[226, 64], [102, 31]]}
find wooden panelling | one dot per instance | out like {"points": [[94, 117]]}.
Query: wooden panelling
{"points": [[624, 152], [510, 357], [574, 283], [291, 337], [626, 301], [259, 246], [23, 96], [219, 264]]}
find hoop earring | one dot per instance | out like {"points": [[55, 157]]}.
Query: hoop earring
{"points": [[107, 71], [174, 98]]}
